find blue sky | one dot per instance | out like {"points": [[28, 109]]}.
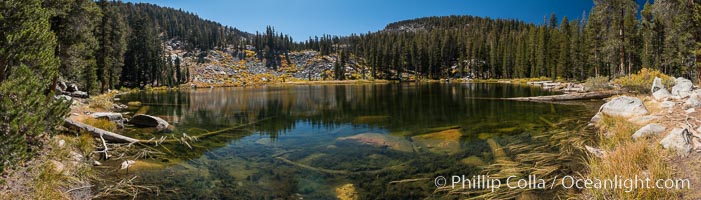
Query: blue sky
{"points": [[304, 18]]}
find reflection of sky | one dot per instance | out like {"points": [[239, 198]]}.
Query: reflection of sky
{"points": [[406, 106], [307, 120]]}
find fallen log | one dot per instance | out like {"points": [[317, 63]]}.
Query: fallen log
{"points": [[96, 132], [114, 137], [569, 97]]}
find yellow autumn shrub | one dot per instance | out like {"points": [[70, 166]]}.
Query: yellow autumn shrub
{"points": [[642, 81]]}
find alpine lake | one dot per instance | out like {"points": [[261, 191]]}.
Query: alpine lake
{"points": [[368, 141]]}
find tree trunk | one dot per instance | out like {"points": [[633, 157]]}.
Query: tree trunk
{"points": [[96, 132], [623, 40]]}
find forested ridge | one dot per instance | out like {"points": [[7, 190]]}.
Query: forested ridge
{"points": [[109, 44], [613, 39]]}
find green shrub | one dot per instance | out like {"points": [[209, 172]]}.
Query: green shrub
{"points": [[27, 111], [641, 82], [597, 83]]}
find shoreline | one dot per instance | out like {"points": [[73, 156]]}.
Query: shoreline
{"points": [[518, 81], [85, 105]]}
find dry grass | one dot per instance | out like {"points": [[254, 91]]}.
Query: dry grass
{"points": [[627, 159], [615, 131], [104, 101], [56, 174], [103, 124]]}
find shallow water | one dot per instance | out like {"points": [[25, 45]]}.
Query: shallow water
{"points": [[304, 140]]}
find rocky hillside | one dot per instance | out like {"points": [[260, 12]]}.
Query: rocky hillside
{"points": [[230, 67]]}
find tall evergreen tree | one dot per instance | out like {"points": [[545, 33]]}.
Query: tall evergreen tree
{"points": [[111, 35], [27, 68], [73, 22]]}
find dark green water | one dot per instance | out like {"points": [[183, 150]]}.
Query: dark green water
{"points": [[293, 150]]}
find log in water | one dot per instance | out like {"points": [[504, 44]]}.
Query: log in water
{"points": [[569, 97]]}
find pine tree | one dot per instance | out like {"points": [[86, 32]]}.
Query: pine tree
{"points": [[696, 28], [27, 67], [594, 37], [178, 73], [111, 34], [648, 35], [73, 23]]}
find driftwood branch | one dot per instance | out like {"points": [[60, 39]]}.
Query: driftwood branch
{"points": [[570, 96], [96, 132], [114, 137], [104, 144]]}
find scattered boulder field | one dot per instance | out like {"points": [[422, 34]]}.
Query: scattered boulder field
{"points": [[234, 67], [673, 115]]}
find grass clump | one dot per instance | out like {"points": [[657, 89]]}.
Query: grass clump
{"points": [[597, 83], [626, 159], [104, 101], [103, 124], [62, 175], [615, 131], [639, 158], [642, 81]]}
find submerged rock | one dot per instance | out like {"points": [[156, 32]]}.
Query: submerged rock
{"points": [[447, 141], [149, 121], [134, 104], [144, 165], [679, 140], [497, 150], [473, 161], [682, 87], [346, 192], [647, 130], [624, 106], [143, 110], [380, 140]]}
